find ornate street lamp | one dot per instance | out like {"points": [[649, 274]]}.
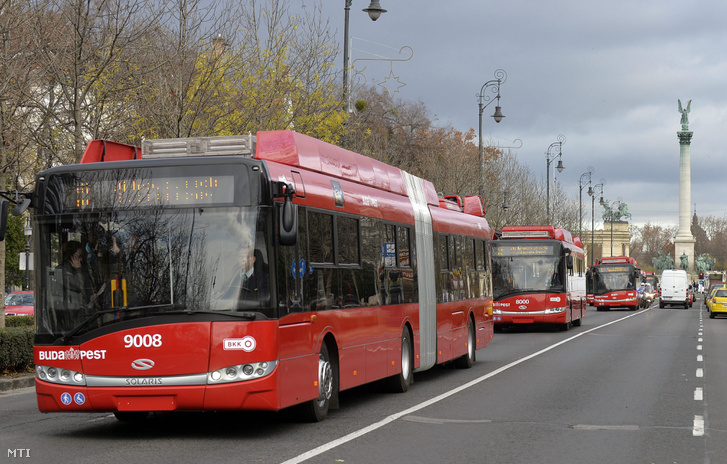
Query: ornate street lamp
{"points": [[484, 101], [549, 158], [581, 184], [592, 192], [374, 10]]}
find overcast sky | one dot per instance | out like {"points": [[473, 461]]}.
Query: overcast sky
{"points": [[605, 74]]}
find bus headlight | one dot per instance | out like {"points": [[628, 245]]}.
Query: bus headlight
{"points": [[241, 372], [555, 310], [61, 376]]}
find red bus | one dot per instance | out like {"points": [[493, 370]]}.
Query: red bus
{"points": [[538, 275], [650, 278], [615, 280], [145, 257]]}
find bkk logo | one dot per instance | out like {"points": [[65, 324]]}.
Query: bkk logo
{"points": [[247, 343]]}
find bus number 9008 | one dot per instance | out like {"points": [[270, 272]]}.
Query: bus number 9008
{"points": [[145, 341]]}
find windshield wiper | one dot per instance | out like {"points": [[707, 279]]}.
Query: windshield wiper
{"points": [[248, 315], [517, 291], [121, 309]]}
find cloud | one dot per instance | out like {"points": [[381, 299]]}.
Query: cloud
{"points": [[607, 75]]}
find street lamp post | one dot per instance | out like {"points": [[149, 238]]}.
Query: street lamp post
{"points": [[27, 231], [484, 101], [592, 193], [374, 10], [505, 207], [582, 184], [549, 158]]}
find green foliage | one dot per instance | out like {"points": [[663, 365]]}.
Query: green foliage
{"points": [[14, 245], [16, 349], [20, 321]]}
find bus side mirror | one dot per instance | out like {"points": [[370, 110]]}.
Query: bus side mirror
{"points": [[569, 261], [4, 204], [288, 219]]}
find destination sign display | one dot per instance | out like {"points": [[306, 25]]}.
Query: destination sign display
{"points": [[179, 186], [604, 269], [161, 191], [520, 249]]}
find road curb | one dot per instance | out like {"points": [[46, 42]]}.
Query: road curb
{"points": [[22, 381]]}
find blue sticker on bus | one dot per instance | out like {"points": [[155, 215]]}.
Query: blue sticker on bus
{"points": [[66, 398], [298, 270]]}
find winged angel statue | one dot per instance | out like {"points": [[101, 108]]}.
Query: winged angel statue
{"points": [[684, 112]]}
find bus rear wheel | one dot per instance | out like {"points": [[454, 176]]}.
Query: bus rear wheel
{"points": [[317, 409], [400, 382], [468, 359]]}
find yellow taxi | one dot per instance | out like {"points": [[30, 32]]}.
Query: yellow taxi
{"points": [[717, 302]]}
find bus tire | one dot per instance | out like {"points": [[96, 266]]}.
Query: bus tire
{"points": [[317, 409], [468, 359], [579, 321], [400, 382]]}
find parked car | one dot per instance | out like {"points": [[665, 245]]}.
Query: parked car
{"points": [[20, 304], [712, 286], [717, 303]]}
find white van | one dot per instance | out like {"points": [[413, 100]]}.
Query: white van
{"points": [[673, 285]]}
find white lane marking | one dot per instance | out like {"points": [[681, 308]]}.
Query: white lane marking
{"points": [[700, 358], [699, 347], [698, 429], [698, 394], [387, 420], [700, 372], [604, 427]]}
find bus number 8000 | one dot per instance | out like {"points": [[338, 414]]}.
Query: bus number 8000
{"points": [[139, 341]]}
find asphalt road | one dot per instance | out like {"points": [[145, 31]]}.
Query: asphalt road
{"points": [[641, 386]]}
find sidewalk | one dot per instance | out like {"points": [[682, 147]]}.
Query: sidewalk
{"points": [[21, 381]]}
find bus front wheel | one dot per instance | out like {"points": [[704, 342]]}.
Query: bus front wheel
{"points": [[317, 409]]}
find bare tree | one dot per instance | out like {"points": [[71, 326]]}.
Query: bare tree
{"points": [[15, 70], [85, 53]]}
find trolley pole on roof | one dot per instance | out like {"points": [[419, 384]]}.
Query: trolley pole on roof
{"points": [[485, 101]]}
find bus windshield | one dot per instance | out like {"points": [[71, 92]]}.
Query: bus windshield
{"points": [[526, 268], [613, 278], [100, 266]]}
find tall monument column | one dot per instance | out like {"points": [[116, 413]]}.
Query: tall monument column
{"points": [[684, 241]]}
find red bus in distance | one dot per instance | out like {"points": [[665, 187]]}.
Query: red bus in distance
{"points": [[615, 280], [538, 277], [248, 273]]}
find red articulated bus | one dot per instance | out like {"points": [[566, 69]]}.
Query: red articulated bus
{"points": [[248, 273], [538, 275], [615, 280]]}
